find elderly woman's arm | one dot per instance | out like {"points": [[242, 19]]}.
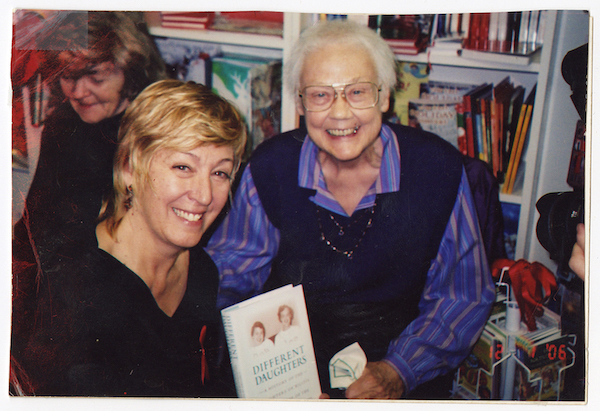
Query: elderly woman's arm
{"points": [[243, 246], [454, 307]]}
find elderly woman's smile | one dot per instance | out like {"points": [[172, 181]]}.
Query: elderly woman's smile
{"points": [[341, 131]]}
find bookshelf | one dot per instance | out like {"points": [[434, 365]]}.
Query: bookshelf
{"points": [[447, 65]]}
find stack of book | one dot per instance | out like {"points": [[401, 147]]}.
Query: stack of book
{"points": [[186, 20], [405, 34], [515, 33], [256, 22]]}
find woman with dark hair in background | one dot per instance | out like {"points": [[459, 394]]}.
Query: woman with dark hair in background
{"points": [[95, 63]]}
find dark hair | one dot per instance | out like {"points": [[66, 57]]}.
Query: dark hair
{"points": [[75, 41]]}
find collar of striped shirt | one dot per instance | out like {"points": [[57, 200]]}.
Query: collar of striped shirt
{"points": [[310, 175]]}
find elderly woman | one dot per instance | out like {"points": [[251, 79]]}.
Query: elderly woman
{"points": [[376, 221], [135, 313], [97, 63]]}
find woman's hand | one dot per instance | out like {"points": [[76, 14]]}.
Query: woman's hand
{"points": [[577, 261], [378, 380]]}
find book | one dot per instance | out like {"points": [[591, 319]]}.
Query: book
{"points": [[270, 346], [253, 85], [410, 77], [503, 92], [186, 20], [436, 116], [514, 109], [469, 104], [519, 143], [257, 22]]}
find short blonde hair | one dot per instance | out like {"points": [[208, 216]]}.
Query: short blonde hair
{"points": [[169, 114]]}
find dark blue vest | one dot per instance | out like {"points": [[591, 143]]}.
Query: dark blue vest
{"points": [[372, 297]]}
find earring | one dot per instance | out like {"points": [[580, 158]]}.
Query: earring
{"points": [[129, 198]]}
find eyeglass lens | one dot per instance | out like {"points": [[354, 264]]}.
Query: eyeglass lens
{"points": [[358, 95]]}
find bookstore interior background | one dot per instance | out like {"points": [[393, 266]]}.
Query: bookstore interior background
{"points": [[506, 88]]}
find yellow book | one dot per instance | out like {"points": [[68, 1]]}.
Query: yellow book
{"points": [[522, 138], [513, 151]]}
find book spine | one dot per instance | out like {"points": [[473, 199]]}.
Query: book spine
{"points": [[233, 355], [460, 124], [468, 118], [524, 133], [523, 32], [496, 116]]}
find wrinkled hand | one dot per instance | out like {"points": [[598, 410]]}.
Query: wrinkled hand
{"points": [[577, 260], [378, 380]]}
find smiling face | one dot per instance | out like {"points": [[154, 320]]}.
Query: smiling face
{"points": [[258, 335], [95, 94], [286, 317], [188, 191], [341, 132]]}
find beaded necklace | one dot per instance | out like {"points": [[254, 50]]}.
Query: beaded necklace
{"points": [[342, 230]]}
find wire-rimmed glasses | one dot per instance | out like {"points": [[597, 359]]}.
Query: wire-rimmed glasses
{"points": [[359, 95]]}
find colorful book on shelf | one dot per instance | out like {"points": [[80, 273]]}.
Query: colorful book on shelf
{"points": [[436, 116], [469, 102], [486, 121], [270, 346], [503, 92], [253, 85], [450, 92], [410, 77], [478, 114], [186, 20], [519, 143], [256, 22], [514, 109]]}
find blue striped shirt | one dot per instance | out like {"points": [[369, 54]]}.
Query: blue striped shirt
{"points": [[458, 292]]}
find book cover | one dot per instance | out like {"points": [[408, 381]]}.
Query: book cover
{"points": [[410, 77], [253, 85], [270, 346], [435, 116]]}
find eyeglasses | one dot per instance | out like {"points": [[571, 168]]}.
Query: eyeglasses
{"points": [[358, 95]]}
